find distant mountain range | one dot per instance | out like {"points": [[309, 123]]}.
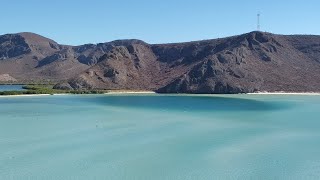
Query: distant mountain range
{"points": [[251, 62]]}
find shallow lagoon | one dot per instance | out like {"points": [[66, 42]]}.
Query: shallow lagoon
{"points": [[160, 137], [11, 88]]}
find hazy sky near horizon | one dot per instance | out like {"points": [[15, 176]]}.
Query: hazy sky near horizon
{"points": [[78, 22]]}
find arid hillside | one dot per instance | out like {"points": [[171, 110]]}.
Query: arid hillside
{"points": [[250, 62]]}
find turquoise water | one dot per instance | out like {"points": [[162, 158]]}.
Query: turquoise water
{"points": [[11, 88], [155, 137]]}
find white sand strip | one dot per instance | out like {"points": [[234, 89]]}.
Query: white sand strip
{"points": [[130, 92], [25, 95], [286, 93]]}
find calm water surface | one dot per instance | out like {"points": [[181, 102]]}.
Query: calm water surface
{"points": [[11, 88], [155, 137]]}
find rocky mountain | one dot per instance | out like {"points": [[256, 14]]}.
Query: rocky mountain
{"points": [[255, 61], [30, 57]]}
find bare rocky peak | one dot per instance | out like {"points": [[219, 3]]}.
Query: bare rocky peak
{"points": [[35, 39], [14, 45]]}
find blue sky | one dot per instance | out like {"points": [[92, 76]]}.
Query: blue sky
{"points": [[78, 22]]}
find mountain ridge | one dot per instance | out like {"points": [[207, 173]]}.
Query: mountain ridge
{"points": [[255, 61]]}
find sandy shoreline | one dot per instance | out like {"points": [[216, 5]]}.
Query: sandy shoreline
{"points": [[26, 95], [111, 92], [152, 92], [284, 93], [130, 92]]}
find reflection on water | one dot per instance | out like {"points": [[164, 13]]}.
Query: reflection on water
{"points": [[191, 103]]}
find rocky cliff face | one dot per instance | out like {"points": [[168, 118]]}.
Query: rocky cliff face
{"points": [[250, 62], [12, 46]]}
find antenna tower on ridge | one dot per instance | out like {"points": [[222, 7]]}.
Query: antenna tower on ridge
{"points": [[258, 21]]}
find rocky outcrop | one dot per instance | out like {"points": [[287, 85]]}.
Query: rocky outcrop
{"points": [[12, 46], [123, 67], [7, 78]]}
